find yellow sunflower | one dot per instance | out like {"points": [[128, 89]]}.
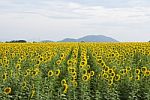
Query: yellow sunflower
{"points": [[7, 90], [85, 77], [63, 81], [50, 73], [57, 72], [92, 73], [65, 88]]}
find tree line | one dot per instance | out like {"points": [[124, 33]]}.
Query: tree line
{"points": [[16, 41]]}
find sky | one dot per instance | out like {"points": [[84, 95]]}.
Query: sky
{"points": [[37, 20]]}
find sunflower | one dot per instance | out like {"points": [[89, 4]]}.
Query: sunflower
{"points": [[128, 68], [146, 73], [4, 60], [88, 66], [63, 81], [62, 55], [7, 62], [103, 71], [4, 76], [12, 55], [99, 61], [117, 77], [82, 63], [73, 70], [93, 54], [84, 71], [50, 73], [105, 75], [32, 93], [74, 74], [24, 84], [99, 57], [28, 71], [102, 64], [130, 77], [69, 69], [1, 63], [92, 73], [6, 65], [74, 62], [19, 60], [112, 74], [41, 58], [38, 62], [34, 72], [143, 69], [85, 77], [18, 66], [7, 90], [69, 62], [65, 88], [75, 84], [58, 62], [81, 66], [137, 71], [37, 70], [106, 68], [137, 77], [110, 82], [110, 71], [123, 71], [57, 72], [26, 74], [74, 77], [114, 68]]}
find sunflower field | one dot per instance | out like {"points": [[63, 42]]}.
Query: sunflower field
{"points": [[75, 71]]}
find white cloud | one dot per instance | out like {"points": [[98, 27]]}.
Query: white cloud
{"points": [[48, 18], [59, 9]]}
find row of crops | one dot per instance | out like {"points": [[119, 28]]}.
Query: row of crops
{"points": [[75, 71]]}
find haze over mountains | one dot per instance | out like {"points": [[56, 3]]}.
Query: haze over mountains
{"points": [[88, 38]]}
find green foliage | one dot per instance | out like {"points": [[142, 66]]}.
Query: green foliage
{"points": [[75, 71]]}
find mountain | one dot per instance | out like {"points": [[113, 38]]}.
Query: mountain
{"points": [[91, 38], [46, 41], [97, 38], [69, 40]]}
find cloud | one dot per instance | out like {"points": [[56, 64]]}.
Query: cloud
{"points": [[71, 10], [49, 17]]}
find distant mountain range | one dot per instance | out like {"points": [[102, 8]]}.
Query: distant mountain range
{"points": [[88, 38], [91, 38], [47, 41]]}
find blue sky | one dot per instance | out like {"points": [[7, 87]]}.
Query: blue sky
{"points": [[124, 20]]}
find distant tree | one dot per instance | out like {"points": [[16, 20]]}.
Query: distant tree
{"points": [[82, 41], [34, 42], [16, 41], [23, 41]]}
